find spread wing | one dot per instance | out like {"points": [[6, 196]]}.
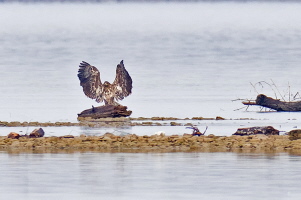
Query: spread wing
{"points": [[89, 77], [122, 84]]}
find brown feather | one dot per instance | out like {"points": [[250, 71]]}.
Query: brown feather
{"points": [[89, 77], [123, 83]]}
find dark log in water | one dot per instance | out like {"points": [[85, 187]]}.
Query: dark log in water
{"points": [[275, 104], [106, 111], [266, 130]]}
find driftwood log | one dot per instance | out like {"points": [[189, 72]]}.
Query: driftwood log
{"points": [[265, 130], [106, 111], [275, 104], [39, 132]]}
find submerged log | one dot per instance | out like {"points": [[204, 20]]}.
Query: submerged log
{"points": [[106, 111], [275, 104]]}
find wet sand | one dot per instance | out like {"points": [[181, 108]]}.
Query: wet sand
{"points": [[155, 143]]}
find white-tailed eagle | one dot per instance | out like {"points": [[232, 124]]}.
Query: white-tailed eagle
{"points": [[89, 77]]}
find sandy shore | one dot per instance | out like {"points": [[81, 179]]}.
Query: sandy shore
{"points": [[157, 143], [154, 143]]}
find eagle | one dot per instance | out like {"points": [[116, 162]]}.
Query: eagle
{"points": [[93, 88]]}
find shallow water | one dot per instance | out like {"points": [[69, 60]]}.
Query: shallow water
{"points": [[150, 176], [216, 127]]}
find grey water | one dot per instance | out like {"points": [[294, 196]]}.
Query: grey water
{"points": [[150, 176], [186, 59]]}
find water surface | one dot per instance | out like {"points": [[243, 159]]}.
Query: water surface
{"points": [[150, 176]]}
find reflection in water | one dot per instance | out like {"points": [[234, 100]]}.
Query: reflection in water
{"points": [[150, 175]]}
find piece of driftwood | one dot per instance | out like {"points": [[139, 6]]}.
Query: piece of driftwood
{"points": [[13, 135], [275, 104], [196, 131], [39, 132], [265, 130], [106, 111]]}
